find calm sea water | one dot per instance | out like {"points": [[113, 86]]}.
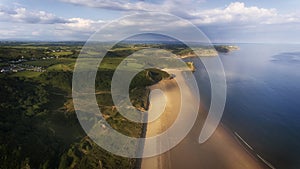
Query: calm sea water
{"points": [[263, 99]]}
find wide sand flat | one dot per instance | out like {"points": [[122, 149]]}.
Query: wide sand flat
{"points": [[221, 151]]}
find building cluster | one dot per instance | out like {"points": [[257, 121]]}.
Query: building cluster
{"points": [[14, 68], [18, 66]]}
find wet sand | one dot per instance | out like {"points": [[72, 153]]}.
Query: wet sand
{"points": [[221, 151]]}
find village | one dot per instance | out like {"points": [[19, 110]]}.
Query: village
{"points": [[31, 59], [15, 66]]}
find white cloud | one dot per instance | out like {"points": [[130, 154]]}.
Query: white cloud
{"points": [[77, 28], [123, 5], [22, 15], [83, 24], [235, 17], [238, 13], [40, 24], [171, 6]]}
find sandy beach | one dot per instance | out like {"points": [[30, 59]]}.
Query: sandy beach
{"points": [[221, 151]]}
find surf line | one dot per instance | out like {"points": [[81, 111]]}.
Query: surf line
{"points": [[266, 162], [243, 141], [262, 159]]}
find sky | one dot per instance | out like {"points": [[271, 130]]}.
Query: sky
{"points": [[241, 21]]}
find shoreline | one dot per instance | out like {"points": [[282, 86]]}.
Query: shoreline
{"points": [[210, 52], [248, 148], [169, 86], [223, 146]]}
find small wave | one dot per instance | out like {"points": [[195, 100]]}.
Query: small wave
{"points": [[243, 141], [263, 160], [266, 162]]}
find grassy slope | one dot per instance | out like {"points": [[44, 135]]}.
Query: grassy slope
{"points": [[55, 129]]}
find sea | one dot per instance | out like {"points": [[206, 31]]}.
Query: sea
{"points": [[263, 100]]}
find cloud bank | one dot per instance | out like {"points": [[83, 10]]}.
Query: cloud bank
{"points": [[230, 22], [239, 13], [25, 16]]}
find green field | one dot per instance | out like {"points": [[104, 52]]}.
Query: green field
{"points": [[62, 54], [26, 74], [61, 67], [50, 62]]}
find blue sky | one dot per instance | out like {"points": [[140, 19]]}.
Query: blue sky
{"points": [[221, 20]]}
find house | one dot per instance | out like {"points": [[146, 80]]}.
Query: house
{"points": [[4, 70], [17, 69]]}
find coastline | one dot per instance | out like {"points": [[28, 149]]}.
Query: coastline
{"points": [[209, 52], [221, 151], [166, 119]]}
